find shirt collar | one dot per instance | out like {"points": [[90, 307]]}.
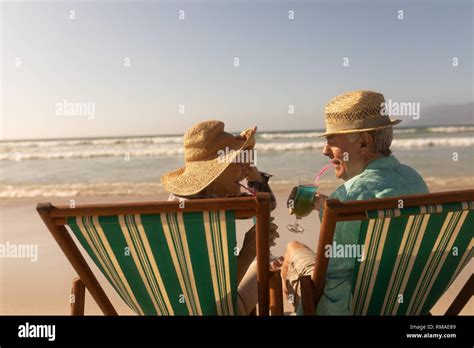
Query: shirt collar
{"points": [[385, 162]]}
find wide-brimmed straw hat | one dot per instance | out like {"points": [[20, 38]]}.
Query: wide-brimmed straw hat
{"points": [[357, 111], [204, 147]]}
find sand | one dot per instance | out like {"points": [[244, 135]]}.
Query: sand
{"points": [[43, 287]]}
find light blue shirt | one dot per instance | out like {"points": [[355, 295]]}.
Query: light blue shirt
{"points": [[383, 177]]}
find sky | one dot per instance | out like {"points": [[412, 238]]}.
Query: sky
{"points": [[182, 71]]}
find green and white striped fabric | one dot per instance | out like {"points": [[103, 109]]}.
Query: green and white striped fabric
{"points": [[166, 264], [410, 258]]}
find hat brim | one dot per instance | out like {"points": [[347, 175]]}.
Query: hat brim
{"points": [[196, 176], [359, 130]]}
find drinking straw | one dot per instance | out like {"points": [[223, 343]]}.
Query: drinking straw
{"points": [[316, 180], [245, 187]]}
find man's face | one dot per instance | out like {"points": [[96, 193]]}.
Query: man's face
{"points": [[344, 156]]}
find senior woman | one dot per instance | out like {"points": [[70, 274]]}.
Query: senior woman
{"points": [[207, 175], [358, 138]]}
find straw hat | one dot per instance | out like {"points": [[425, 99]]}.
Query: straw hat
{"points": [[357, 111], [204, 161]]}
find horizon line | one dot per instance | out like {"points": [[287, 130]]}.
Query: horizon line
{"points": [[232, 132]]}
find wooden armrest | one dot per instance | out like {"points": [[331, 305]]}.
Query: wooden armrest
{"points": [[307, 295], [276, 293], [78, 295]]}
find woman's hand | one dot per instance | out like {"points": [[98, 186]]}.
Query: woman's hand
{"points": [[249, 239], [249, 135], [318, 201], [248, 132], [253, 174], [248, 170], [273, 232]]}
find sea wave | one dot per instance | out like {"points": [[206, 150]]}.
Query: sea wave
{"points": [[405, 131], [80, 189], [174, 150], [174, 139], [451, 129], [295, 135], [22, 155], [433, 142], [310, 135], [397, 143], [436, 183], [290, 146], [100, 142]]}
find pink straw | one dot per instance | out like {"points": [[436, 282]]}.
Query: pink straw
{"points": [[316, 181]]}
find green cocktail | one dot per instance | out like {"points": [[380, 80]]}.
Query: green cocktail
{"points": [[303, 201], [301, 204]]}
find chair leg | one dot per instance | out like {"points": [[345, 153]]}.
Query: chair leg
{"points": [[462, 298], [307, 295], [276, 293], [78, 295]]}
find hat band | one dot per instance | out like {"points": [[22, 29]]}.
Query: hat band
{"points": [[357, 124]]}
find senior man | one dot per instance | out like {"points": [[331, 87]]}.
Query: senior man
{"points": [[358, 136]]}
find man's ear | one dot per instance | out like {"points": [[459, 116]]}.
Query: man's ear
{"points": [[366, 142]]}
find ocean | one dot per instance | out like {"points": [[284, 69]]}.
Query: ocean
{"points": [[133, 165]]}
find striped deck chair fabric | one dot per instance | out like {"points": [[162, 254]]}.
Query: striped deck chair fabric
{"points": [[166, 264], [411, 256]]}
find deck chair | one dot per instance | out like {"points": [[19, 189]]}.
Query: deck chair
{"points": [[414, 247], [163, 258]]}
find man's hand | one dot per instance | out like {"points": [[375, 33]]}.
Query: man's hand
{"points": [[318, 201]]}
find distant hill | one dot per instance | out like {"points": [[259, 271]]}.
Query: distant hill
{"points": [[443, 115]]}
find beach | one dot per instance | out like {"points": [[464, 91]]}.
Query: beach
{"points": [[128, 169], [137, 139], [42, 287], [120, 166]]}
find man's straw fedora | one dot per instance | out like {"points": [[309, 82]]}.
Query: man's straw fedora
{"points": [[204, 145], [357, 111]]}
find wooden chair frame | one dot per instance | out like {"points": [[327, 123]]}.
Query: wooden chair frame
{"points": [[55, 219], [334, 210]]}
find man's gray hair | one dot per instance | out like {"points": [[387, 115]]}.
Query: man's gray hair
{"points": [[382, 139]]}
